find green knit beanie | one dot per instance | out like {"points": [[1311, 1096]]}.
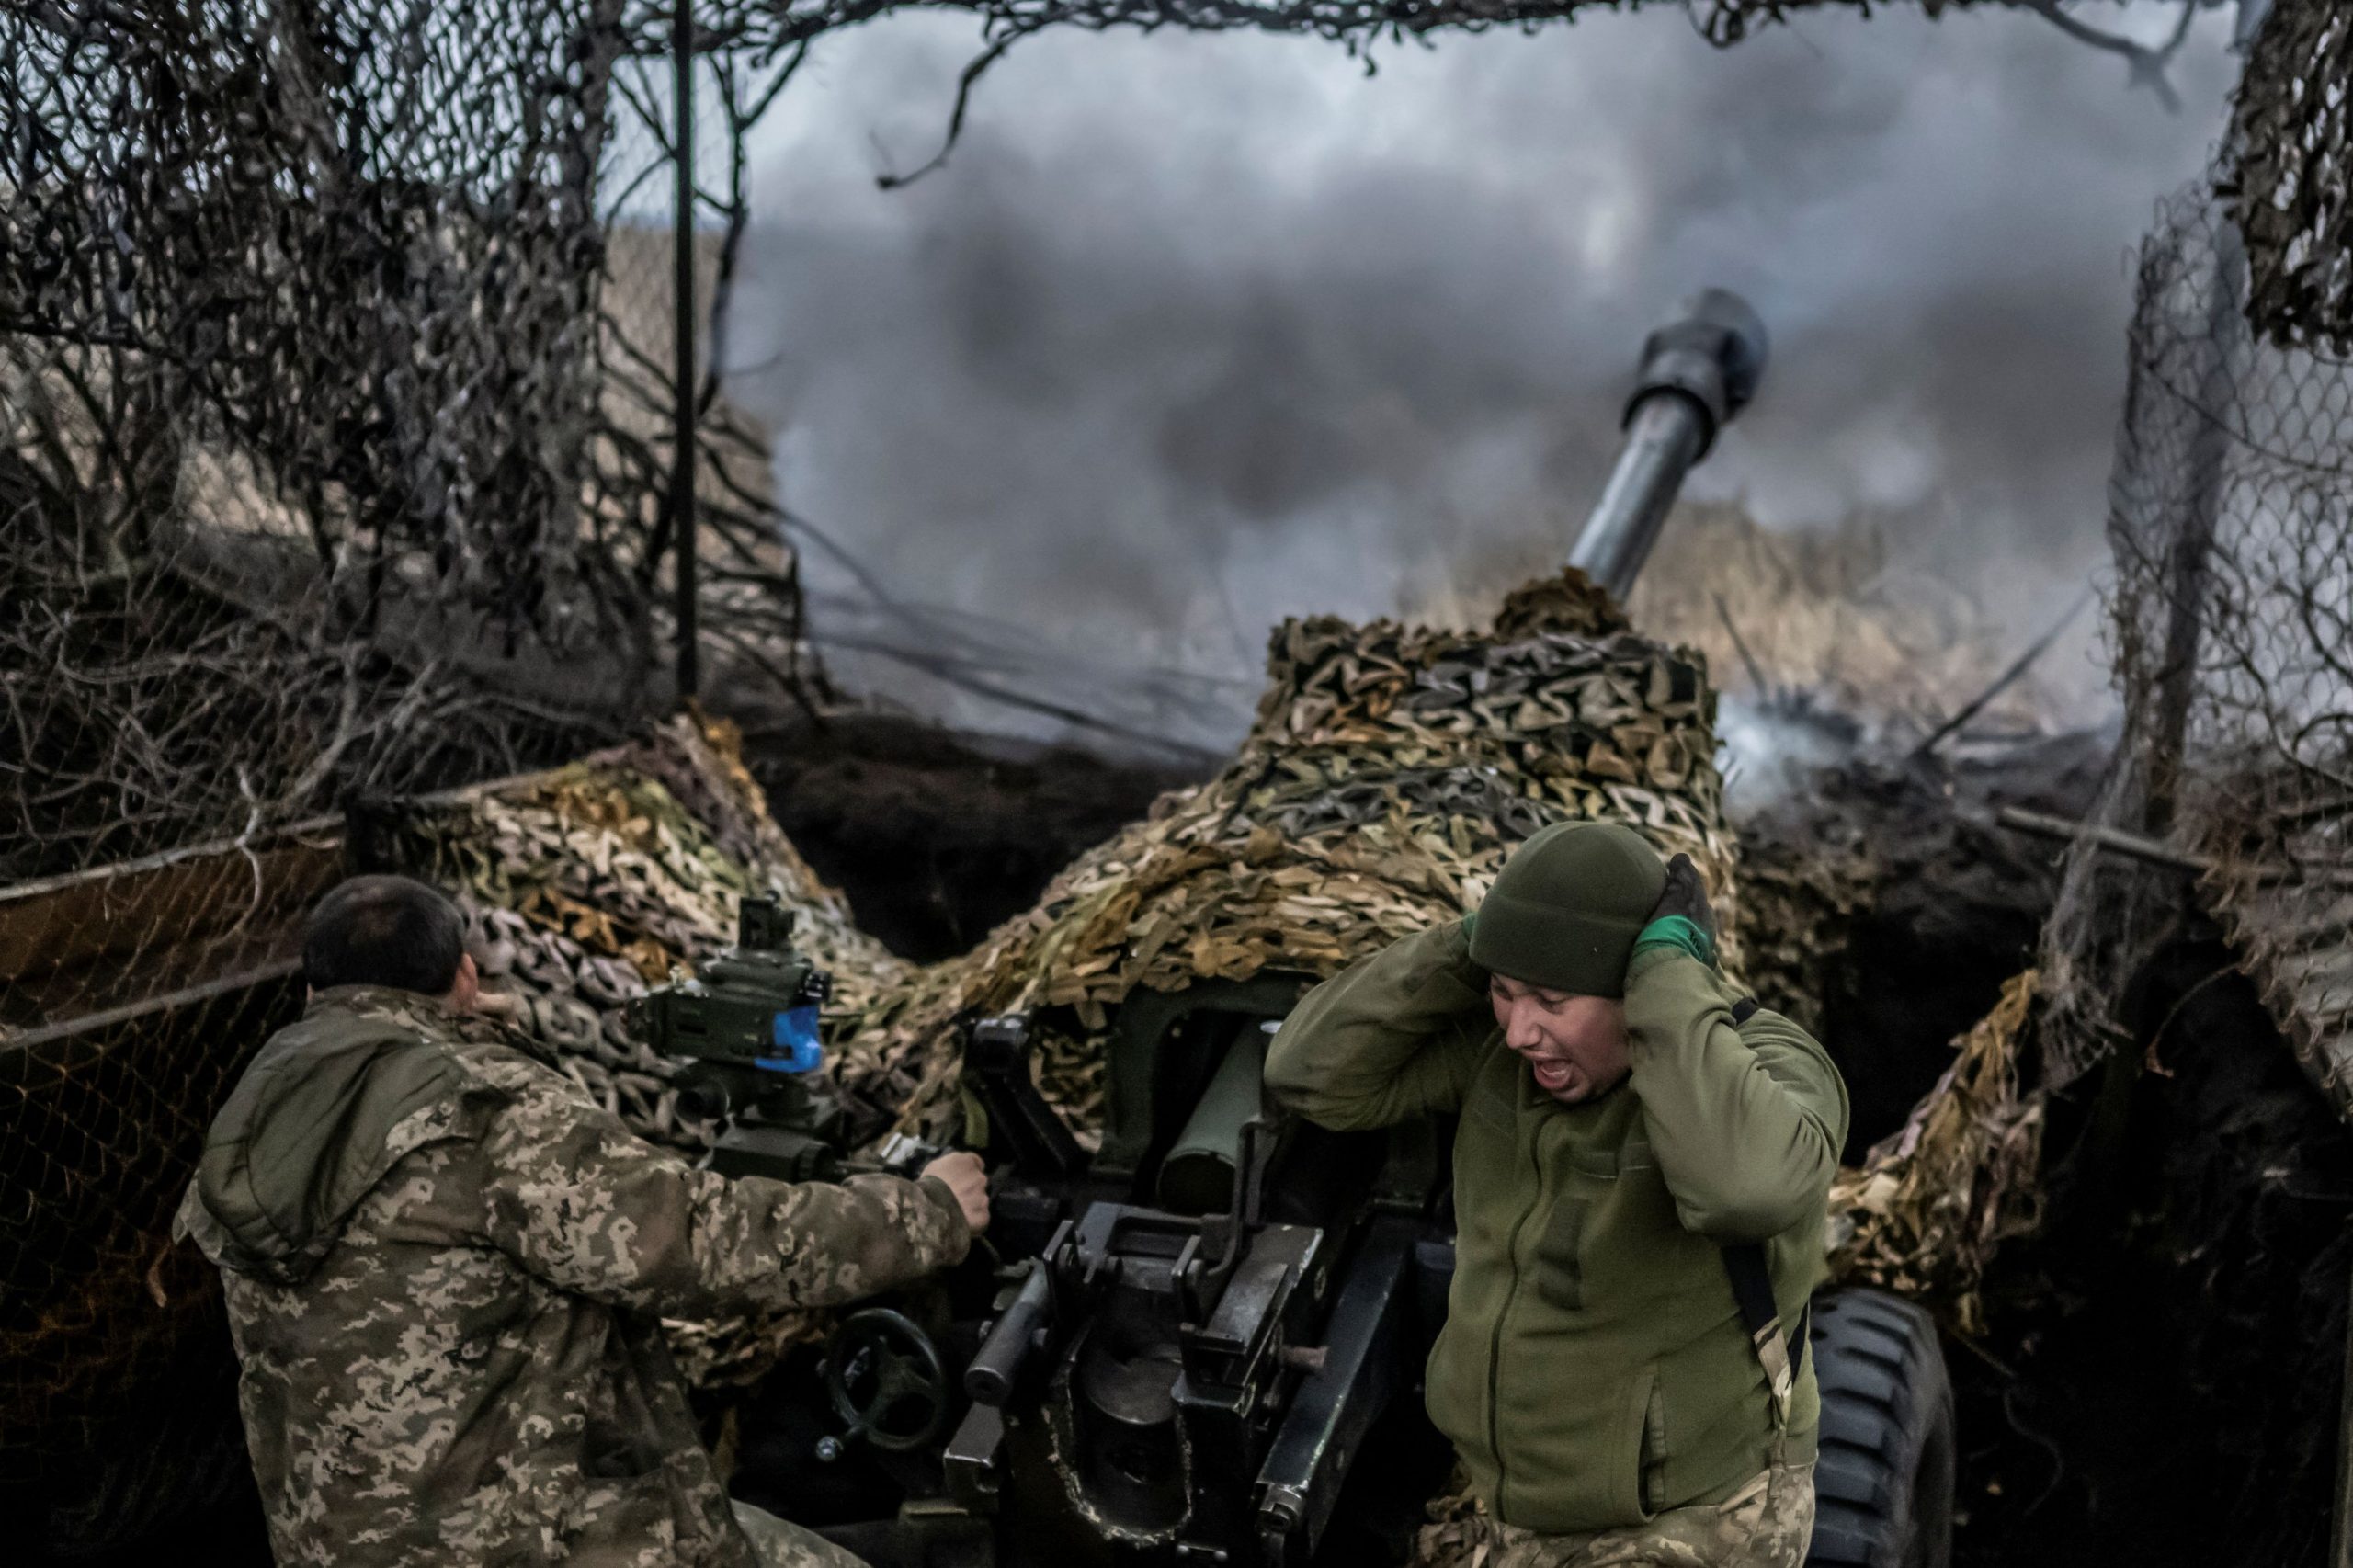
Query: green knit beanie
{"points": [[1567, 907]]}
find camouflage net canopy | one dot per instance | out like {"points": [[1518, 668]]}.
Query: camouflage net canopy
{"points": [[2231, 523], [335, 423], [1390, 771]]}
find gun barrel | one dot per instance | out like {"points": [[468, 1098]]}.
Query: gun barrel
{"points": [[1697, 374]]}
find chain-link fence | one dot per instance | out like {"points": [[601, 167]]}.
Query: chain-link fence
{"points": [[2232, 525], [2231, 522]]}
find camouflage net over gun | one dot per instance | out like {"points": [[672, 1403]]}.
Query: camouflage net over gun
{"points": [[1390, 771]]}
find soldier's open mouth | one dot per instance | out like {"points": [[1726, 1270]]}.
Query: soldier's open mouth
{"points": [[1550, 1077]]}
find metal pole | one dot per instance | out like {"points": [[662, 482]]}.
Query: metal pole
{"points": [[2190, 549], [682, 432], [2189, 553]]}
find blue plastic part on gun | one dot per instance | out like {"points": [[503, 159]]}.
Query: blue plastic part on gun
{"points": [[795, 1038]]}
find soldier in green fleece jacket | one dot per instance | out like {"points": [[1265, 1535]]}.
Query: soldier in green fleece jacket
{"points": [[1625, 1115]]}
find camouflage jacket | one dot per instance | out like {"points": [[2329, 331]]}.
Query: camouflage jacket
{"points": [[444, 1270]]}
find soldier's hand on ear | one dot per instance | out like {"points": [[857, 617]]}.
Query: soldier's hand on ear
{"points": [[1686, 895], [1684, 899]]}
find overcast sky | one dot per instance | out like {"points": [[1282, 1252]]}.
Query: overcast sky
{"points": [[1194, 333]]}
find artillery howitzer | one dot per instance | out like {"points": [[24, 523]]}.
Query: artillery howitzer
{"points": [[1208, 1330]]}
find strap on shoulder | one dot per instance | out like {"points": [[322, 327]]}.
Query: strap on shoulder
{"points": [[1782, 1357]]}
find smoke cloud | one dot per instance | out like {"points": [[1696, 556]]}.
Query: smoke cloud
{"points": [[1194, 333]]}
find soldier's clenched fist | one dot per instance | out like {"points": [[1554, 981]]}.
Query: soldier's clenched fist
{"points": [[964, 1176]]}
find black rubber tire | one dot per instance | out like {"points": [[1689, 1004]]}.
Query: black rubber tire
{"points": [[1883, 1485]]}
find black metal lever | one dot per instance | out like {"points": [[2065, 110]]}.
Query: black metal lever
{"points": [[997, 1068]]}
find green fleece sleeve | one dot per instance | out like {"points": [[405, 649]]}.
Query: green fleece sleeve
{"points": [[1391, 1037], [1746, 1120]]}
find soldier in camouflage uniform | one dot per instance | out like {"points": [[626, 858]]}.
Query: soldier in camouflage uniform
{"points": [[1768, 1523], [1637, 1145], [445, 1269]]}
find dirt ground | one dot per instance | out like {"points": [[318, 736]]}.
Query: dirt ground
{"points": [[1945, 905]]}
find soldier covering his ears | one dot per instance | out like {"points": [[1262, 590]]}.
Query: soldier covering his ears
{"points": [[445, 1270], [1632, 1133]]}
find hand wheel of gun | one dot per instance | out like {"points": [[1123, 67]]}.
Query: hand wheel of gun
{"points": [[886, 1380]]}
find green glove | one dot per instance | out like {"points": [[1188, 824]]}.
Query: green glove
{"points": [[1682, 919]]}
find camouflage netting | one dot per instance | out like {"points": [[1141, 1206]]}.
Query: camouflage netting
{"points": [[1928, 1208], [235, 346], [585, 885], [2293, 125], [333, 429], [1390, 771], [1800, 903]]}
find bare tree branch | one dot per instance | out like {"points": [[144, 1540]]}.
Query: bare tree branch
{"points": [[2148, 65]]}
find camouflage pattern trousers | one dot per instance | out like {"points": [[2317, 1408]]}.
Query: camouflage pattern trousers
{"points": [[781, 1544], [1767, 1523]]}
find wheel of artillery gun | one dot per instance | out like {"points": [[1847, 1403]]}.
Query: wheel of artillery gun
{"points": [[1883, 1485], [886, 1380]]}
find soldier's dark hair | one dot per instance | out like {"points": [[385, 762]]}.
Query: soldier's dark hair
{"points": [[384, 931]]}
